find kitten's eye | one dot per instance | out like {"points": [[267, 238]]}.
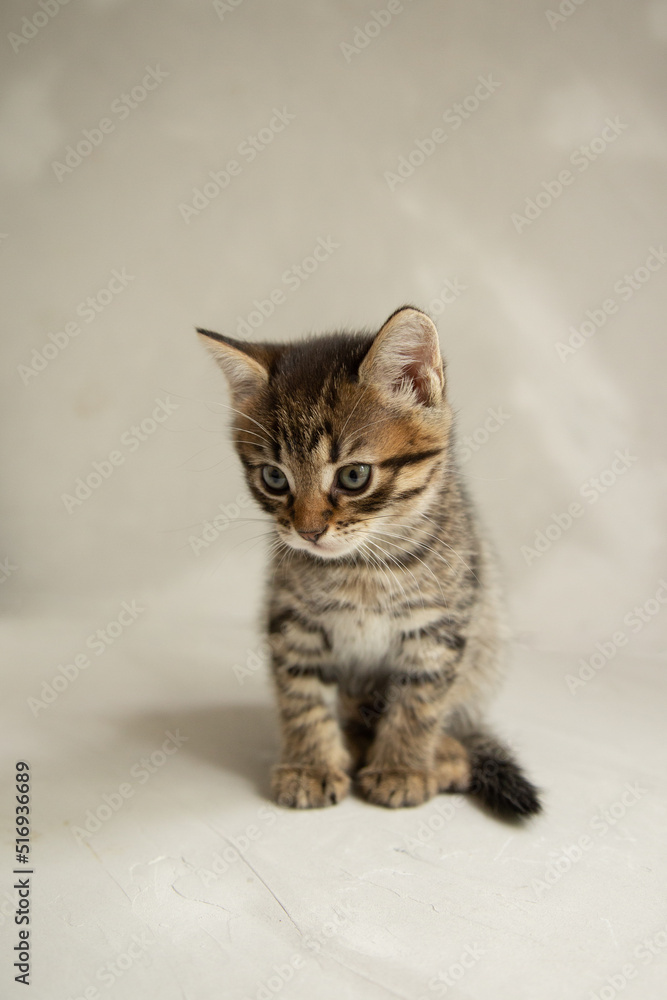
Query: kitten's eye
{"points": [[354, 477], [275, 479]]}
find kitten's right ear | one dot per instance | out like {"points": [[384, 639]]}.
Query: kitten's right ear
{"points": [[245, 372]]}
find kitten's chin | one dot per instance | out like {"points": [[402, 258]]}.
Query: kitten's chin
{"points": [[326, 549]]}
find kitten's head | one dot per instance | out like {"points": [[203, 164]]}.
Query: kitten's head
{"points": [[342, 437]]}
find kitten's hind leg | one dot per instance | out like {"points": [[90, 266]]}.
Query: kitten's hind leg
{"points": [[452, 765], [358, 724]]}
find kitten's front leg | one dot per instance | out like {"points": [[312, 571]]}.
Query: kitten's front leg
{"points": [[314, 763], [401, 768]]}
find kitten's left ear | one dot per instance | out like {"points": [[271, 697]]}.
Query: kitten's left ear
{"points": [[405, 359], [241, 363]]}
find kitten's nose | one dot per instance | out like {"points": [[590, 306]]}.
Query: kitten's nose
{"points": [[312, 536]]}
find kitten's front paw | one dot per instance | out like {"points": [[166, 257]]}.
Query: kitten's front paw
{"points": [[303, 787], [397, 787]]}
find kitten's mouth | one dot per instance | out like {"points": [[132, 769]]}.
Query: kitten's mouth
{"points": [[324, 548]]}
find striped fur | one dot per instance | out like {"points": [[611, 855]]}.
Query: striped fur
{"points": [[383, 609]]}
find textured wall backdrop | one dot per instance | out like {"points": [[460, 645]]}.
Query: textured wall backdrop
{"points": [[501, 165]]}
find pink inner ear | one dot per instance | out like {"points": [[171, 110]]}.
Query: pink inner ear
{"points": [[415, 372], [405, 355]]}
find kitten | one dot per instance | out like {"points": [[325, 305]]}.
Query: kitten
{"points": [[381, 589]]}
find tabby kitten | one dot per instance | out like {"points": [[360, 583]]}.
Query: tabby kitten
{"points": [[381, 589]]}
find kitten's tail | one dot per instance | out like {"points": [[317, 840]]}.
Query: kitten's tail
{"points": [[497, 780]]}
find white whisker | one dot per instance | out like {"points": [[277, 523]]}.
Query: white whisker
{"points": [[387, 555], [248, 417], [425, 565], [353, 409]]}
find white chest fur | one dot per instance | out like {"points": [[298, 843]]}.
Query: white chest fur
{"points": [[361, 638]]}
